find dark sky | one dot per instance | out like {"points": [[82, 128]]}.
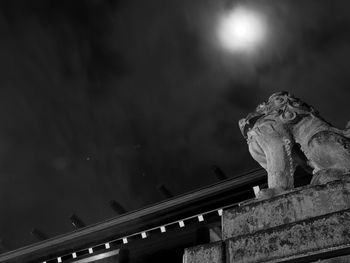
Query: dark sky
{"points": [[104, 100]]}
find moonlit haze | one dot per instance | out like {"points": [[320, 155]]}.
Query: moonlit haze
{"points": [[107, 100], [242, 29]]}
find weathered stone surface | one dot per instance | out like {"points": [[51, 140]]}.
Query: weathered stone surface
{"points": [[312, 236], [343, 259], [283, 131], [209, 253], [299, 204]]}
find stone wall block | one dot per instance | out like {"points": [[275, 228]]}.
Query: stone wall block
{"points": [[299, 204], [209, 253], [292, 241]]}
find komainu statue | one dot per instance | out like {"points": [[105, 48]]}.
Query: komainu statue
{"points": [[285, 132]]}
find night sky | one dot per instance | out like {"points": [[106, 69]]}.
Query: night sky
{"points": [[103, 100]]}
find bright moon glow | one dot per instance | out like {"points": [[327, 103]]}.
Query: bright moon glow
{"points": [[242, 30]]}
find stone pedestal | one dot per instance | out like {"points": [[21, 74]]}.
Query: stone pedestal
{"points": [[209, 253], [292, 241], [307, 224], [299, 204]]}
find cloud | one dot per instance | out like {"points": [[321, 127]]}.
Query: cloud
{"points": [[101, 101]]}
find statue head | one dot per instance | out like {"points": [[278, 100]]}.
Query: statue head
{"points": [[280, 105]]}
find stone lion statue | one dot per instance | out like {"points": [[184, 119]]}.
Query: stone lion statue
{"points": [[285, 132]]}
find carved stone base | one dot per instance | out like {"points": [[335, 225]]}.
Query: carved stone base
{"points": [[329, 175], [304, 225], [210, 253], [299, 204], [292, 241]]}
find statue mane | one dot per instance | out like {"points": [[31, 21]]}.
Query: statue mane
{"points": [[280, 104], [283, 103]]}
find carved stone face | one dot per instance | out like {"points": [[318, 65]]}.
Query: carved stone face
{"points": [[280, 105], [281, 100]]}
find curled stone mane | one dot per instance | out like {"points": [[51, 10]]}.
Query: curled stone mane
{"points": [[283, 105], [283, 102]]}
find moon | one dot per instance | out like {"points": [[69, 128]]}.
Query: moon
{"points": [[242, 30]]}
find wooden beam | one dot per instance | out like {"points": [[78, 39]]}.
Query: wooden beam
{"points": [[164, 191], [118, 208], [76, 221], [219, 173], [38, 234]]}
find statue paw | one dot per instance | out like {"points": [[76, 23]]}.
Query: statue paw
{"points": [[269, 192], [328, 175], [266, 193]]}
